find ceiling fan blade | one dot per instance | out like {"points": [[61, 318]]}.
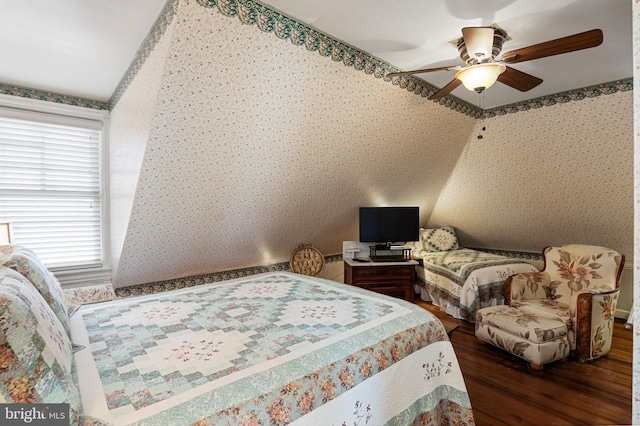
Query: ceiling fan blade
{"points": [[478, 41], [446, 89], [558, 46], [396, 74], [519, 80]]}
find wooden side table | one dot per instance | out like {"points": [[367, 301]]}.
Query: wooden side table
{"points": [[391, 278]]}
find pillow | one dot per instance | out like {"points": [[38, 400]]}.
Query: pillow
{"points": [[27, 264], [5, 255], [35, 351], [439, 239]]}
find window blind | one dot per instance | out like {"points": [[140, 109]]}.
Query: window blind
{"points": [[50, 190]]}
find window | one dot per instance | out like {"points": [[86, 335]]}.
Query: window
{"points": [[51, 187]]}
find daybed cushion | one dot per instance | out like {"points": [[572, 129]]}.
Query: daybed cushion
{"points": [[439, 239], [35, 350], [28, 265]]}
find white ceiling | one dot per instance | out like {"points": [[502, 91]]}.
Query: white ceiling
{"points": [[73, 47], [415, 34], [83, 47]]}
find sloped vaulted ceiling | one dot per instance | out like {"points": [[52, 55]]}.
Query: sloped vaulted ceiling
{"points": [[230, 147], [256, 145]]}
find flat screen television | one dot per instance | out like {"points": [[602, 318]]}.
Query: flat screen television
{"points": [[386, 225]]}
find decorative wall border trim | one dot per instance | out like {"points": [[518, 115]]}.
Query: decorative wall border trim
{"points": [[609, 88], [178, 283], [146, 47], [251, 12], [167, 285], [267, 19], [42, 95]]}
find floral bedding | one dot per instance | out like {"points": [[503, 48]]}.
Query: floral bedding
{"points": [[462, 281], [274, 348], [36, 352]]}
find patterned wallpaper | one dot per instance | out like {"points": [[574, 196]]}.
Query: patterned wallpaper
{"points": [[148, 47], [635, 417], [130, 126], [230, 147], [554, 175], [257, 145]]}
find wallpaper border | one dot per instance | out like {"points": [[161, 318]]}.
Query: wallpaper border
{"points": [[191, 281], [267, 19], [58, 98], [167, 285], [623, 85], [146, 47]]}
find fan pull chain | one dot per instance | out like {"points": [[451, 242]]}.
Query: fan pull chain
{"points": [[481, 106]]}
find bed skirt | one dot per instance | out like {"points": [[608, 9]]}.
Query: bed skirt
{"points": [[447, 306]]}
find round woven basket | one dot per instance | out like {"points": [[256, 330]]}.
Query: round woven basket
{"points": [[306, 260]]}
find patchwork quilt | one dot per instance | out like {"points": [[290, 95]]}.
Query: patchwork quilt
{"points": [[269, 349], [467, 279]]}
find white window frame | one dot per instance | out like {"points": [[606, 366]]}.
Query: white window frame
{"points": [[56, 113]]}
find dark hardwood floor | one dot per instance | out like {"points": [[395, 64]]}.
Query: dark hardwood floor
{"points": [[504, 391]]}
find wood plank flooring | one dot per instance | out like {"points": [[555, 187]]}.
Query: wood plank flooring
{"points": [[504, 391]]}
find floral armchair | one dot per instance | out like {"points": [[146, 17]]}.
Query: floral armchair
{"points": [[567, 308]]}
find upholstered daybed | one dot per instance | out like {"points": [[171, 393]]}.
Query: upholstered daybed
{"points": [[461, 280]]}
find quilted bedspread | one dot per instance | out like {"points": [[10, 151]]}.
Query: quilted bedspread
{"points": [[468, 279], [274, 348]]}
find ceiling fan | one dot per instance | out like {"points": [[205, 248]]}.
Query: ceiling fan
{"points": [[479, 48]]}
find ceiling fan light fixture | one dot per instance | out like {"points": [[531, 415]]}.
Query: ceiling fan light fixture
{"points": [[478, 42], [481, 76]]}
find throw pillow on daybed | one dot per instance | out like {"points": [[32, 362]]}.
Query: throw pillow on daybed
{"points": [[439, 239], [35, 350], [28, 265]]}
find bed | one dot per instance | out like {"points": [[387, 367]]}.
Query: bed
{"points": [[272, 348], [461, 280]]}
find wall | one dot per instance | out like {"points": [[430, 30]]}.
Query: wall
{"points": [[256, 145], [635, 418], [130, 125], [555, 175]]}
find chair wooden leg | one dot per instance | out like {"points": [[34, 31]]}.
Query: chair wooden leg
{"points": [[536, 367]]}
